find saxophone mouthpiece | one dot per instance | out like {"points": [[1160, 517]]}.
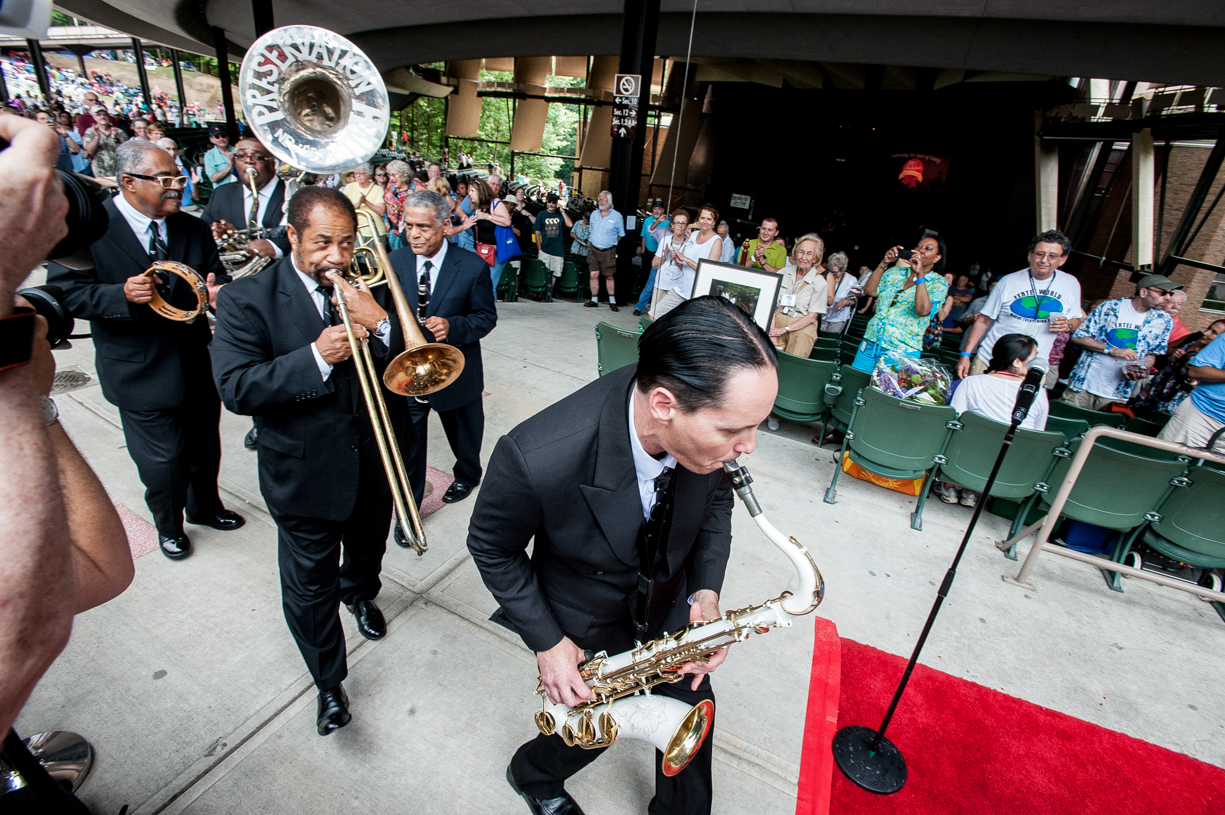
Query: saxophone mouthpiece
{"points": [[740, 483]]}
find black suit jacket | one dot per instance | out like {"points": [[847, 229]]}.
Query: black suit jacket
{"points": [[566, 478], [226, 205], [142, 359], [463, 294], [315, 438]]}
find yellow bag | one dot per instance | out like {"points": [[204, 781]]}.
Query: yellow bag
{"points": [[906, 486]]}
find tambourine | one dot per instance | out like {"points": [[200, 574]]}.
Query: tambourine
{"points": [[192, 278]]}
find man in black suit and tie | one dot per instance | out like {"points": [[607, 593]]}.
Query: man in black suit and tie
{"points": [[451, 291], [230, 206], [155, 370], [280, 355], [628, 467]]}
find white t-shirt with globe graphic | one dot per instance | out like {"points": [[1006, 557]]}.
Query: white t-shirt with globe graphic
{"points": [[1021, 304]]}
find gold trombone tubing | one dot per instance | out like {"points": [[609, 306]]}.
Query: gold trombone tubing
{"points": [[384, 435]]}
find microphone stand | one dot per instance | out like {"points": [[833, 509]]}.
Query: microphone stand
{"points": [[865, 756]]}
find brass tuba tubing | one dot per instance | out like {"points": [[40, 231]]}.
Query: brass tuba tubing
{"points": [[384, 434]]}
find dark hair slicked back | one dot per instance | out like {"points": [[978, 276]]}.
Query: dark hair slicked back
{"points": [[696, 347], [306, 199]]}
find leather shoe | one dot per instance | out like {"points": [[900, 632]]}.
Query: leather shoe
{"points": [[333, 710], [637, 313], [370, 620], [224, 520], [251, 439], [175, 548], [613, 306], [458, 491], [591, 304], [397, 534], [562, 805]]}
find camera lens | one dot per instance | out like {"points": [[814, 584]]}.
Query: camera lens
{"points": [[49, 302], [87, 219]]}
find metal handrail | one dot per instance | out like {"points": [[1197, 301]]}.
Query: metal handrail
{"points": [[1047, 524]]}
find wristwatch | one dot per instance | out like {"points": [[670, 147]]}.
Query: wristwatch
{"points": [[50, 412], [16, 338]]}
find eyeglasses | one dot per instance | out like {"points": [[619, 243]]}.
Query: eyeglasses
{"points": [[167, 181], [253, 158], [1048, 255]]}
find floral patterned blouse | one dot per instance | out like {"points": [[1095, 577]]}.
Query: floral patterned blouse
{"points": [[896, 325], [395, 198]]}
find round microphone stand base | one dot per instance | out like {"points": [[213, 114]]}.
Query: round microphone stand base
{"points": [[882, 771]]}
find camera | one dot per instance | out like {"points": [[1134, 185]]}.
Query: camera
{"points": [[87, 221]]}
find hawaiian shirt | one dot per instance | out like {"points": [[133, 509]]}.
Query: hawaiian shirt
{"points": [[1149, 340], [580, 232], [394, 198], [896, 325]]}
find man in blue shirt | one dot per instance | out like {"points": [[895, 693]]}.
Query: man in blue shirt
{"points": [[654, 229], [1202, 415], [607, 227], [219, 160]]}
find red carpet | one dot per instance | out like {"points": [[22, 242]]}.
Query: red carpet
{"points": [[970, 749]]}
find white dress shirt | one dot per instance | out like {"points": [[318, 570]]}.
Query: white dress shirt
{"points": [[265, 193], [646, 466], [435, 265], [317, 297], [139, 222]]}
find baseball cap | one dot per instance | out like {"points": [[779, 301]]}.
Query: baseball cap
{"points": [[552, 198], [1156, 281], [217, 130]]}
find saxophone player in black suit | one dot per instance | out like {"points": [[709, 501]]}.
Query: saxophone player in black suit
{"points": [[619, 489], [456, 290], [280, 355], [156, 371]]}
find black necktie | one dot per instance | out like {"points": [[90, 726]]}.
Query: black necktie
{"points": [[652, 559], [423, 291], [329, 308], [157, 246]]}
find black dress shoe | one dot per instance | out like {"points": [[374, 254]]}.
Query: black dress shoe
{"points": [[225, 520], [333, 710], [637, 313], [458, 491], [397, 534], [251, 440], [562, 805], [370, 620], [175, 548], [613, 306]]}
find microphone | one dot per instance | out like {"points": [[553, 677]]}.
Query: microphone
{"points": [[1035, 372]]}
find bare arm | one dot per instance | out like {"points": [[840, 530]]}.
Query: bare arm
{"points": [[1206, 374], [922, 300], [500, 214]]}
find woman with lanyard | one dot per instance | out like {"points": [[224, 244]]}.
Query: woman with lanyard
{"points": [[802, 298], [680, 257], [908, 292]]}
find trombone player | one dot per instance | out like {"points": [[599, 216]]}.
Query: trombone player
{"points": [[280, 356]]}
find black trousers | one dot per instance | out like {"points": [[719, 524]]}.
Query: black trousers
{"points": [[326, 563], [178, 455], [465, 429], [542, 765]]}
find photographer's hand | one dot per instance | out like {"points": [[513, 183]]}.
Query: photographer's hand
{"points": [[32, 202]]}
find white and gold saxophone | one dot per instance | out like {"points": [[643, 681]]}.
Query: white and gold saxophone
{"points": [[623, 703]]}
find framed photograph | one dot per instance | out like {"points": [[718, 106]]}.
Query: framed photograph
{"points": [[753, 290]]}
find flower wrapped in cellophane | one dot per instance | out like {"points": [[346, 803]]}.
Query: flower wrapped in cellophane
{"points": [[922, 380]]}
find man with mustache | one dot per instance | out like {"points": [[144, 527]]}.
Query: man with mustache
{"points": [[280, 355], [155, 370]]}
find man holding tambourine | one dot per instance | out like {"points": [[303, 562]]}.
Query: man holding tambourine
{"points": [[151, 352]]}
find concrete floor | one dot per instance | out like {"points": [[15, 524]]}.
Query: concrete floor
{"points": [[196, 700]]}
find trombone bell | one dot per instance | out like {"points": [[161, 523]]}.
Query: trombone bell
{"points": [[424, 369]]}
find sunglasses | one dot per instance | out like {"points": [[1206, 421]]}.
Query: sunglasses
{"points": [[167, 181]]}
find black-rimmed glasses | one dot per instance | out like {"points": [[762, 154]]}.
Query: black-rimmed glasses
{"points": [[167, 181]]}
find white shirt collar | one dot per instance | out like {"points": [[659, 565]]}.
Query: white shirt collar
{"points": [[646, 466], [435, 264], [310, 283], [139, 222], [265, 190]]}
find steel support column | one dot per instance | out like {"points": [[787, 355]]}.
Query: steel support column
{"points": [[262, 10], [223, 73], [40, 68], [139, 53], [1143, 177], [639, 27], [1181, 238], [178, 86]]}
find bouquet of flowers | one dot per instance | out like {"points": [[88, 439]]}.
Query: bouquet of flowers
{"points": [[922, 380]]}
